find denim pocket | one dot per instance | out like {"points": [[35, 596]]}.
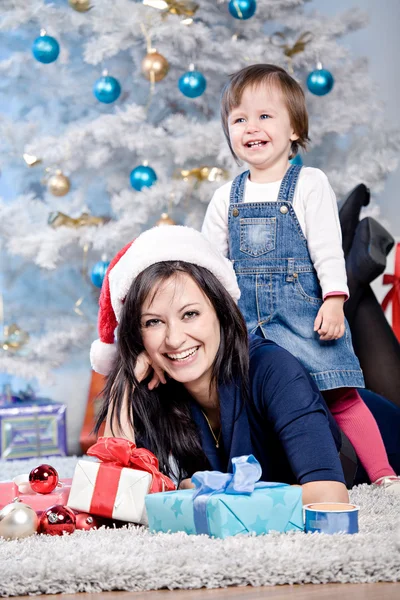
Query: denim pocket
{"points": [[257, 236], [307, 287]]}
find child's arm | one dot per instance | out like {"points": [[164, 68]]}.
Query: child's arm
{"points": [[215, 225], [324, 240]]}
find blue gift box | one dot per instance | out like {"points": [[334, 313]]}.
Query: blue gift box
{"points": [[32, 428], [225, 504]]}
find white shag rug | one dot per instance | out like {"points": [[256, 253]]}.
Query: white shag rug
{"points": [[132, 559]]}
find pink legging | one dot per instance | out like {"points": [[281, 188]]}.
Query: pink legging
{"points": [[357, 422]]}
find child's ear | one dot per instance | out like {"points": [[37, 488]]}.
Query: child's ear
{"points": [[294, 137]]}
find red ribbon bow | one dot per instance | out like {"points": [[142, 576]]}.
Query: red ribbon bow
{"points": [[393, 295], [122, 452]]}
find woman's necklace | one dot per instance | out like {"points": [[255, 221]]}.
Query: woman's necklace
{"points": [[216, 439]]}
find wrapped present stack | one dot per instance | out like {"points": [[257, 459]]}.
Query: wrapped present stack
{"points": [[37, 503], [31, 426], [127, 486], [227, 504], [20, 488], [109, 492]]}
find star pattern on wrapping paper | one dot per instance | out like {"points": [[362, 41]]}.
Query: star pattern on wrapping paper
{"points": [[188, 530], [211, 510], [177, 507], [278, 497], [230, 525], [260, 524], [157, 525]]}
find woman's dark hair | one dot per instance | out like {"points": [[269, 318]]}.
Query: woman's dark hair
{"points": [[161, 417]]}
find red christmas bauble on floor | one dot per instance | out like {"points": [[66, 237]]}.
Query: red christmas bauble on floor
{"points": [[43, 479], [86, 521], [56, 520]]}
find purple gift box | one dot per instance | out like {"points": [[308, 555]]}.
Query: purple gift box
{"points": [[35, 428]]}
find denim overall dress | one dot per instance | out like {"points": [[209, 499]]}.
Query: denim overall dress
{"points": [[280, 291]]}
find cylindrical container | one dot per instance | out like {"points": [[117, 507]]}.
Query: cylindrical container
{"points": [[331, 517]]}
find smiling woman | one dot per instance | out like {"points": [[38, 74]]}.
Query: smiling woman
{"points": [[186, 381], [180, 329]]}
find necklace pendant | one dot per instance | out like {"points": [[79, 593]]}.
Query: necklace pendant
{"points": [[217, 444]]}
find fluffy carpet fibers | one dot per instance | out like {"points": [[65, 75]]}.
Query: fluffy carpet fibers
{"points": [[132, 559]]}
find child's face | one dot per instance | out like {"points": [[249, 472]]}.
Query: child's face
{"points": [[260, 130]]}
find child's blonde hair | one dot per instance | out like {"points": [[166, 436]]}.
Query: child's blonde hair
{"points": [[292, 93]]}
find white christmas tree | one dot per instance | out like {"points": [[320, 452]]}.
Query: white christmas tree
{"points": [[51, 236]]}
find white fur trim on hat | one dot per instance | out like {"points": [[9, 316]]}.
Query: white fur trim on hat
{"points": [[102, 357], [164, 244]]}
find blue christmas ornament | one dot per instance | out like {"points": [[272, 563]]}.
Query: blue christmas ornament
{"points": [[107, 89], [142, 176], [320, 81], [98, 272], [192, 84], [296, 160], [242, 9], [45, 48]]}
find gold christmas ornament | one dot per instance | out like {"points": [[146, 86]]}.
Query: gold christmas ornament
{"points": [[17, 520], [279, 39], [60, 219], [165, 219], [31, 160], [13, 338], [289, 50], [154, 66], [58, 184], [185, 8], [80, 5], [203, 174]]}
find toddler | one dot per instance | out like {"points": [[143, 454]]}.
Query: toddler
{"points": [[279, 225]]}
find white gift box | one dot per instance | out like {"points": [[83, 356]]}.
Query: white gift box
{"points": [[124, 499]]}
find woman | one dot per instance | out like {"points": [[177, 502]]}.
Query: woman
{"points": [[186, 382]]}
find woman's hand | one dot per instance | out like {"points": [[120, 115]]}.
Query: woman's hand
{"points": [[144, 367], [186, 484], [329, 323], [324, 491]]}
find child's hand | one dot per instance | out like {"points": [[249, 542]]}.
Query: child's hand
{"points": [[330, 319], [144, 366]]}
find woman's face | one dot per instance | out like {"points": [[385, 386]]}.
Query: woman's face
{"points": [[181, 331]]}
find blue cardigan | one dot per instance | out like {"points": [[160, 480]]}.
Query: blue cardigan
{"points": [[285, 424]]}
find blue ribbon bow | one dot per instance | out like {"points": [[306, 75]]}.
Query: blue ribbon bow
{"points": [[244, 480]]}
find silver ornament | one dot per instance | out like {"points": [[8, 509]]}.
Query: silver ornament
{"points": [[17, 520]]}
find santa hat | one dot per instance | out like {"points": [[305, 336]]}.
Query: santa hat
{"points": [[155, 245]]}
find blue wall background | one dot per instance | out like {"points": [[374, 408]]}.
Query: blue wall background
{"points": [[379, 42]]}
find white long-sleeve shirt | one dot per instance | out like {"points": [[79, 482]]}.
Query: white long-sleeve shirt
{"points": [[315, 206]]}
